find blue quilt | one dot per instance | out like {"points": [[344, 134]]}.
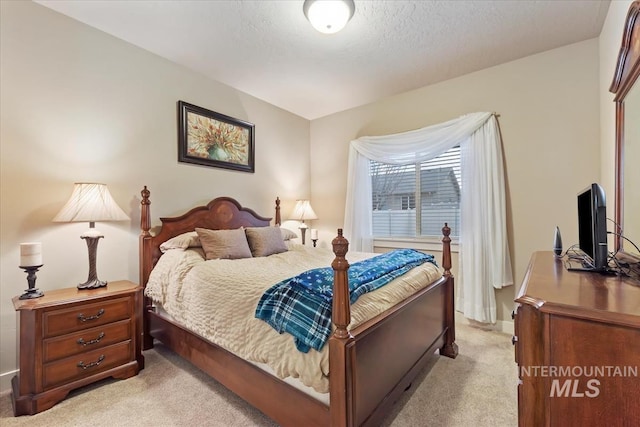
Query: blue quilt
{"points": [[301, 305]]}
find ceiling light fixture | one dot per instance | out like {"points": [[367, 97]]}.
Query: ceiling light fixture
{"points": [[328, 16]]}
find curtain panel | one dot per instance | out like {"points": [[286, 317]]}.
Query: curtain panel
{"points": [[484, 259]]}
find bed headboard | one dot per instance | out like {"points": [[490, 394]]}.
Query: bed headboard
{"points": [[222, 213]]}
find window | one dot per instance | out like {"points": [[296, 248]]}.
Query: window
{"points": [[408, 202], [396, 197]]}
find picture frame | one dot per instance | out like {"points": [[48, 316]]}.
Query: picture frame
{"points": [[212, 139]]}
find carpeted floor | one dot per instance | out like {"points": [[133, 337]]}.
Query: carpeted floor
{"points": [[477, 389]]}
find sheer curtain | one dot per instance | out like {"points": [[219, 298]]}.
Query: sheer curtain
{"points": [[484, 259]]}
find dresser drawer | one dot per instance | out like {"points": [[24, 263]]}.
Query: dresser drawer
{"points": [[59, 322], [86, 340], [86, 364]]}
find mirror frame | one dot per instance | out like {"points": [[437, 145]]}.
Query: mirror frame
{"points": [[627, 73]]}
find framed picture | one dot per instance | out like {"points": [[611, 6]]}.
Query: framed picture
{"points": [[212, 139]]}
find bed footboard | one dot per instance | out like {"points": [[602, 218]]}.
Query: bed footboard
{"points": [[372, 365]]}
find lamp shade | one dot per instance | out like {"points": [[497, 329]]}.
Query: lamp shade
{"points": [[303, 211], [328, 16], [90, 202]]}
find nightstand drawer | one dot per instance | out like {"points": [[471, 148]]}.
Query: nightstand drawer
{"points": [[86, 340], [60, 322], [86, 364]]}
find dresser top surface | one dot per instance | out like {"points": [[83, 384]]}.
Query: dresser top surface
{"points": [[70, 295], [552, 288]]}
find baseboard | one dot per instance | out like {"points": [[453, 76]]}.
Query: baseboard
{"points": [[5, 381], [504, 326]]}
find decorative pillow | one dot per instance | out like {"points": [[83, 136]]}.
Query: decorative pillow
{"points": [[265, 241], [181, 241], [224, 244], [288, 234]]}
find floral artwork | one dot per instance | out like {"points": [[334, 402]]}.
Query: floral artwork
{"points": [[212, 139], [216, 140]]}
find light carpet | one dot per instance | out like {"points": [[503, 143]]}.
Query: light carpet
{"points": [[478, 389]]}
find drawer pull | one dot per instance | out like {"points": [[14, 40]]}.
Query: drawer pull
{"points": [[92, 364], [96, 316], [84, 343], [514, 340]]}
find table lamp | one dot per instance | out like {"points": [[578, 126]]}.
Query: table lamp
{"points": [[91, 202], [303, 211]]}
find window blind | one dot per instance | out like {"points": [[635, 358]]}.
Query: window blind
{"points": [[416, 200]]}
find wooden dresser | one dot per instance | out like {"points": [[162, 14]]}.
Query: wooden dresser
{"points": [[577, 346], [70, 338]]}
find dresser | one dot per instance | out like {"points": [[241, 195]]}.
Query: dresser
{"points": [[577, 346], [70, 338]]}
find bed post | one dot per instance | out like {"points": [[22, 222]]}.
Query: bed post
{"points": [[450, 348], [145, 263], [278, 219], [341, 342]]}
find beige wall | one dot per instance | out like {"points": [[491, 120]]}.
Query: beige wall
{"points": [[549, 118], [78, 104]]}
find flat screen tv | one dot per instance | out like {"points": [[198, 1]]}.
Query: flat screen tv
{"points": [[592, 227]]}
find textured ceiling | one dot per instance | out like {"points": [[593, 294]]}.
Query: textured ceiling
{"points": [[269, 50]]}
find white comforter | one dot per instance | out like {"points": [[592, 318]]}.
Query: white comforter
{"points": [[217, 300]]}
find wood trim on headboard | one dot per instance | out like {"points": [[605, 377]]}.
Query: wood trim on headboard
{"points": [[222, 213]]}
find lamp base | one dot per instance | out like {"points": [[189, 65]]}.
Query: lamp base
{"points": [[92, 284], [92, 281]]}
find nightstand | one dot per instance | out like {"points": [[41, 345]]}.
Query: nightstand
{"points": [[70, 338]]}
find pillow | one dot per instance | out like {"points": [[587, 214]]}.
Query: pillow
{"points": [[265, 241], [181, 241], [288, 234], [224, 244]]}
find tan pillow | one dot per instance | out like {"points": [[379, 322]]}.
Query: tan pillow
{"points": [[224, 244], [288, 234], [181, 241], [265, 241]]}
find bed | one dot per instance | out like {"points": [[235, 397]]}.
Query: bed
{"points": [[371, 364]]}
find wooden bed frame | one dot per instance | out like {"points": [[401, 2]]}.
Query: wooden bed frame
{"points": [[371, 365]]}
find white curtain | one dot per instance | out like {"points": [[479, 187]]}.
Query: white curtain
{"points": [[484, 254]]}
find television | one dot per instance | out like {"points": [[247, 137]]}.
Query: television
{"points": [[592, 228]]}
